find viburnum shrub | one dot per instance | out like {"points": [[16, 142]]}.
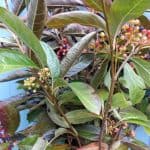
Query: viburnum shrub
{"points": [[87, 73]]}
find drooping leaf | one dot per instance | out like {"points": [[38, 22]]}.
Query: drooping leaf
{"points": [[75, 52], [89, 132], [12, 60], [37, 16], [134, 83], [96, 4], [119, 101], [24, 33], [143, 69], [52, 60], [88, 97], [84, 62], [80, 116], [122, 11], [81, 17]]}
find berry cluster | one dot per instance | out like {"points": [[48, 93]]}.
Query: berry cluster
{"points": [[44, 75], [31, 84], [63, 49], [132, 33]]}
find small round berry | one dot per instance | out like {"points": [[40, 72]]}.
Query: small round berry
{"points": [[137, 22], [122, 37], [123, 48], [102, 34]]}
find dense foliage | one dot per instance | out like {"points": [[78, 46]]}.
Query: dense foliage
{"points": [[85, 68]]}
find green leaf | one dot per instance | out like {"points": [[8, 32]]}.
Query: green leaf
{"points": [[68, 97], [27, 143], [52, 60], [122, 11], [75, 52], [4, 146], [40, 144], [132, 115], [55, 117], [84, 61], [107, 80], [87, 96], [96, 4], [81, 17], [143, 69], [23, 32], [103, 93], [12, 60], [59, 132], [88, 132], [80, 116], [134, 83], [119, 101]]}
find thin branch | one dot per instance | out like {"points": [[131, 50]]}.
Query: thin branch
{"points": [[112, 87], [133, 51]]}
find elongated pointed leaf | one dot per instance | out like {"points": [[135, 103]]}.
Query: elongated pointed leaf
{"points": [[143, 69], [84, 62], [134, 83], [12, 60], [75, 52], [52, 60], [36, 16], [123, 10], [81, 17], [87, 96], [24, 33], [80, 116]]}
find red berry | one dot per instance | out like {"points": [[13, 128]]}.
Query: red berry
{"points": [[144, 31]]}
